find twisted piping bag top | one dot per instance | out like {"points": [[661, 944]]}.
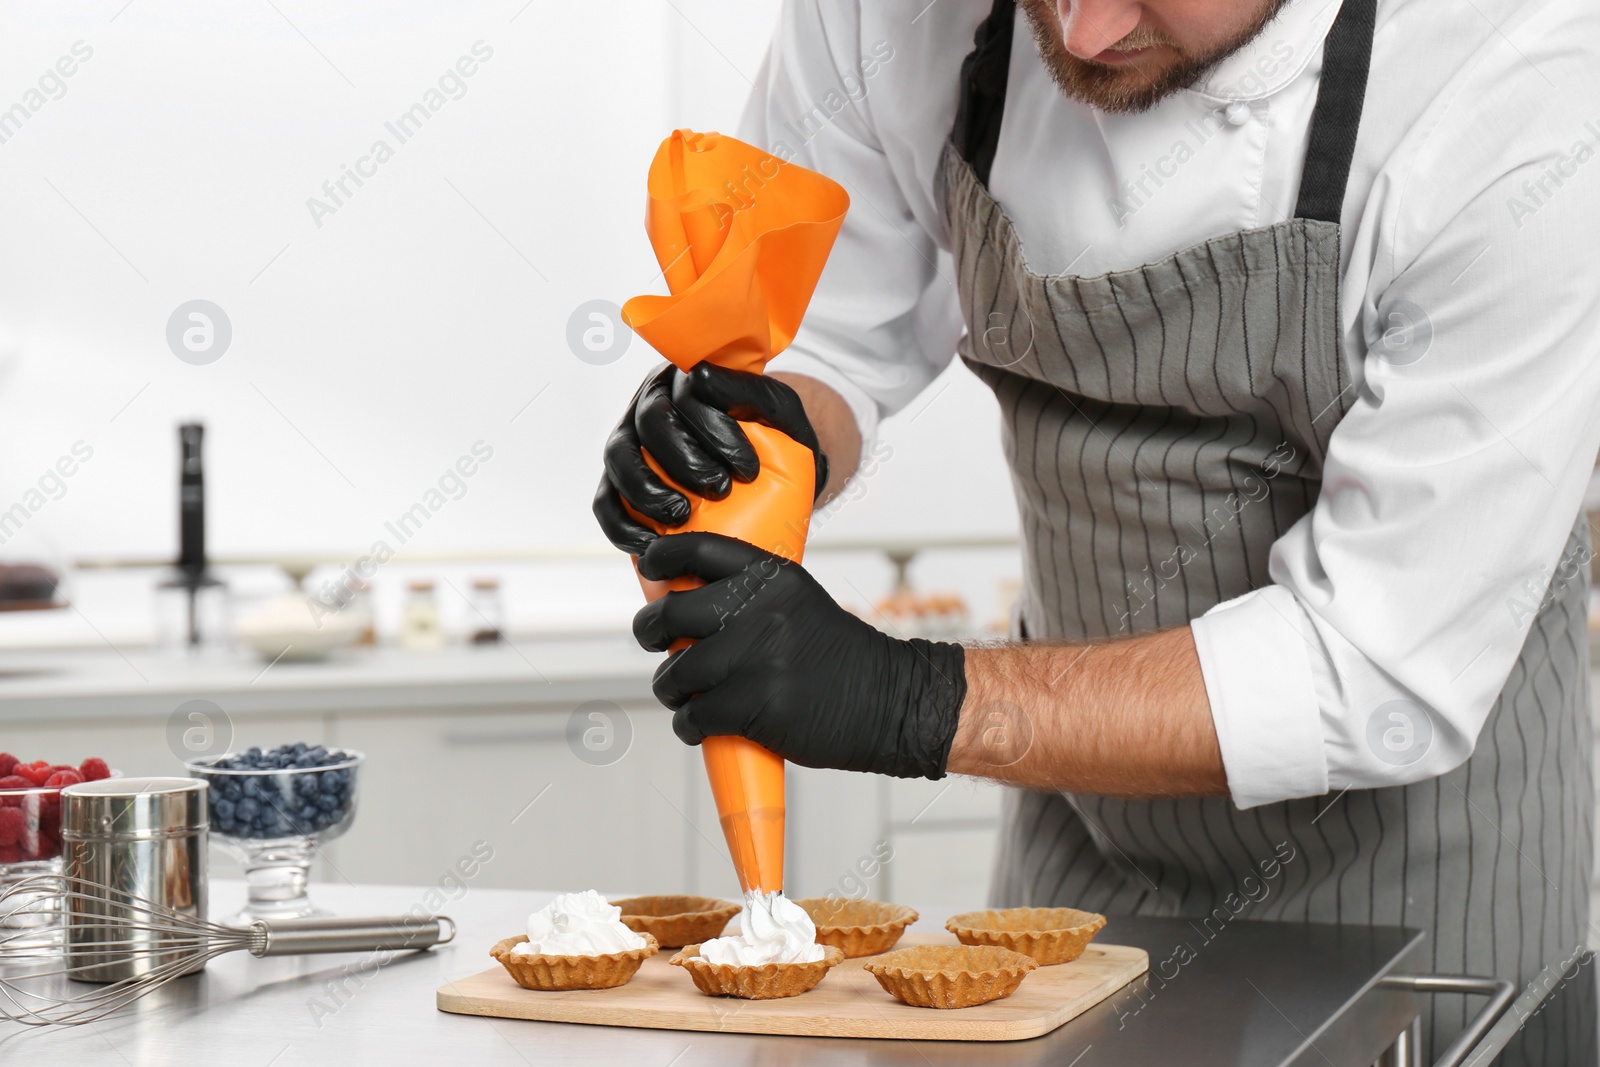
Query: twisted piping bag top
{"points": [[742, 238]]}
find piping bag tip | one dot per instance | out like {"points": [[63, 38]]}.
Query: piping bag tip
{"points": [[747, 783], [741, 237]]}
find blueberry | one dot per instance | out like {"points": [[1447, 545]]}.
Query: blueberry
{"points": [[248, 808], [327, 801], [223, 807], [253, 752]]}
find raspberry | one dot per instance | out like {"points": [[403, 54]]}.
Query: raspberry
{"points": [[10, 853], [13, 824], [35, 772], [70, 776], [15, 781], [94, 768], [40, 846], [7, 761]]}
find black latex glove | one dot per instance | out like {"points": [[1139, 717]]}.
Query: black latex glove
{"points": [[687, 422], [780, 663]]}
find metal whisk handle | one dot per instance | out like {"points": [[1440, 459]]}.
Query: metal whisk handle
{"points": [[396, 933]]}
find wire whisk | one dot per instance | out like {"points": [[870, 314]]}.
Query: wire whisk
{"points": [[131, 946]]}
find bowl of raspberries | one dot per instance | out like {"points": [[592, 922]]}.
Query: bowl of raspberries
{"points": [[30, 809], [272, 810]]}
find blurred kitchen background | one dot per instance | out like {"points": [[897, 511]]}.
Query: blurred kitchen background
{"points": [[372, 349], [401, 342]]}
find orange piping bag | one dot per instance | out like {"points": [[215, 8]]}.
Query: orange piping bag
{"points": [[742, 238]]}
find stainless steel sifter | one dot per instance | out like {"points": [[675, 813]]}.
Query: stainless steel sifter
{"points": [[138, 839]]}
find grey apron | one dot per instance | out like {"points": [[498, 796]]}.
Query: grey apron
{"points": [[1139, 409]]}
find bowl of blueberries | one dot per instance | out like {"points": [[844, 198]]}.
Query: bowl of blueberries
{"points": [[273, 810]]}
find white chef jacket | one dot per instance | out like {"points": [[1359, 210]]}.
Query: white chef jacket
{"points": [[1470, 304]]}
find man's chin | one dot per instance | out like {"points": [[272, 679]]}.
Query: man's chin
{"points": [[1140, 81], [1134, 82], [1124, 88]]}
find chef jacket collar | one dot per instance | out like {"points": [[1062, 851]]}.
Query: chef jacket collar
{"points": [[1277, 56]]}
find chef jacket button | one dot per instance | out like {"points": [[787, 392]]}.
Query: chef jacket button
{"points": [[1237, 113]]}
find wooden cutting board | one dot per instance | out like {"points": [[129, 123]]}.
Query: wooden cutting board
{"points": [[848, 1003]]}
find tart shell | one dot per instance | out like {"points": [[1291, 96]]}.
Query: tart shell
{"points": [[950, 976], [765, 981], [550, 973], [858, 927], [675, 921], [1049, 935]]}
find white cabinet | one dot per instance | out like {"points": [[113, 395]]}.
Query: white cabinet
{"points": [[436, 784], [891, 838]]}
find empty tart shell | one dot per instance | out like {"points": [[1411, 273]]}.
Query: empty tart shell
{"points": [[551, 973], [858, 927], [675, 921], [1049, 935], [764, 981], [950, 976]]}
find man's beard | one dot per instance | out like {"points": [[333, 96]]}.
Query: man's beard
{"points": [[1133, 88]]}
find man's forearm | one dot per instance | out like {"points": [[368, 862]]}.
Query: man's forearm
{"points": [[1123, 718], [836, 429], [1127, 718]]}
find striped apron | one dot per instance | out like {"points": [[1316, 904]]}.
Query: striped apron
{"points": [[1136, 405]]}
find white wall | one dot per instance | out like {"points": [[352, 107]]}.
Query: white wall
{"points": [[371, 351]]}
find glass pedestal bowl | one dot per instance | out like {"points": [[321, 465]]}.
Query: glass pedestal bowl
{"points": [[274, 821]]}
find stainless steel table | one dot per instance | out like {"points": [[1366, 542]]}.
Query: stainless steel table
{"points": [[1242, 995]]}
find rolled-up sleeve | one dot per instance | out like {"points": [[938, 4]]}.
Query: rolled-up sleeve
{"points": [[1402, 600], [880, 327]]}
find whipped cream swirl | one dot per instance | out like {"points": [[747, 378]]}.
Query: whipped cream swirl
{"points": [[772, 929], [578, 924]]}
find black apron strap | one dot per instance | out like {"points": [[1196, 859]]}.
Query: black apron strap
{"points": [[984, 74], [1347, 55]]}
